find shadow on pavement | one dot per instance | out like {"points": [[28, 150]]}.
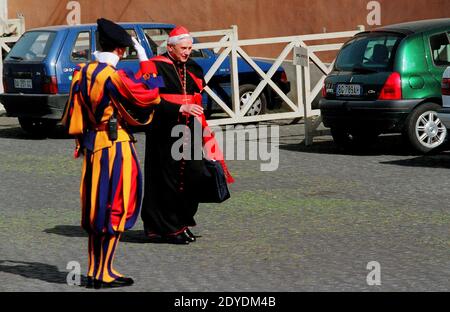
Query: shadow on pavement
{"points": [[14, 133], [35, 270], [17, 133], [385, 145], [67, 230], [131, 236], [393, 145], [430, 161]]}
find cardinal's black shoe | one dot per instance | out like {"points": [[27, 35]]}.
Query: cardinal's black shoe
{"points": [[118, 282], [189, 235], [180, 239]]}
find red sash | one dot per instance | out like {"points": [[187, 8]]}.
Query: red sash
{"points": [[182, 98]]}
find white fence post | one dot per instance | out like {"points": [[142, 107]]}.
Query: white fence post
{"points": [[235, 71], [307, 102], [1, 75], [21, 28], [299, 85]]}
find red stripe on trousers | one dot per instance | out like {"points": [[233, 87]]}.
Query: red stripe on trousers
{"points": [[117, 205]]}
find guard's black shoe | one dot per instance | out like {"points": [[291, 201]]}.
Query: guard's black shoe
{"points": [[191, 237], [118, 282], [126, 280], [90, 282]]}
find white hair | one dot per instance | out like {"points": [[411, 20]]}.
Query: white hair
{"points": [[175, 39]]}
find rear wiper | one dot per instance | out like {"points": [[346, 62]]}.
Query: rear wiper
{"points": [[19, 58]]}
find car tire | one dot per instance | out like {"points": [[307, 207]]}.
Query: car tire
{"points": [[348, 139], [37, 127], [423, 129], [259, 106]]}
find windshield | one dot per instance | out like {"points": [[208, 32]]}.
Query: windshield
{"points": [[368, 53], [32, 46]]}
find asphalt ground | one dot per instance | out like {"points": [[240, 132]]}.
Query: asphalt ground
{"points": [[313, 224]]}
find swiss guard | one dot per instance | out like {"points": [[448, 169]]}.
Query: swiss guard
{"points": [[103, 102]]}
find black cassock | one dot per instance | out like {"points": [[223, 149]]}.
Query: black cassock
{"points": [[166, 209]]}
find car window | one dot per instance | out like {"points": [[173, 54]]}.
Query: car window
{"points": [[440, 49], [371, 52], [32, 46], [197, 53], [81, 51], [130, 53], [157, 39]]}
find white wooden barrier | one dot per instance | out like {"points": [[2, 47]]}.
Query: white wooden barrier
{"points": [[231, 46]]}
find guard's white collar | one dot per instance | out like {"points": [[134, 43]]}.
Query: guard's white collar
{"points": [[107, 57]]}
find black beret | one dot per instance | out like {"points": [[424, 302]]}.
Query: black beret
{"points": [[113, 33]]}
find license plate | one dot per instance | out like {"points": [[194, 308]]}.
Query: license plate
{"points": [[348, 90], [23, 84]]}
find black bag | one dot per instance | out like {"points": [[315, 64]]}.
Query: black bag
{"points": [[205, 181]]}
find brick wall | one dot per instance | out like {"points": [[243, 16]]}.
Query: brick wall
{"points": [[255, 18]]}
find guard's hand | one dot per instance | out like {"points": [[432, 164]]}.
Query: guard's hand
{"points": [[140, 50], [191, 109]]}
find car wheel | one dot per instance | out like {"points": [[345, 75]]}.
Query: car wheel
{"points": [[347, 139], [424, 130], [260, 104], [37, 127]]}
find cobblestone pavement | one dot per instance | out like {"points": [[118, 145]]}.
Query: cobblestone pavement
{"points": [[312, 225]]}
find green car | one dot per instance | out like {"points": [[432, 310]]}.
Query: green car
{"points": [[388, 80]]}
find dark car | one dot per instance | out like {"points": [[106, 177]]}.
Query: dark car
{"points": [[37, 72], [388, 80]]}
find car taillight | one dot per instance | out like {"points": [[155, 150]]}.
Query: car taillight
{"points": [[50, 85], [324, 90], [392, 89], [283, 77], [446, 86]]}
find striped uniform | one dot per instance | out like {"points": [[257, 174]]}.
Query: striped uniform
{"points": [[111, 181]]}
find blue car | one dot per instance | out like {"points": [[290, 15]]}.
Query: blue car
{"points": [[37, 72]]}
